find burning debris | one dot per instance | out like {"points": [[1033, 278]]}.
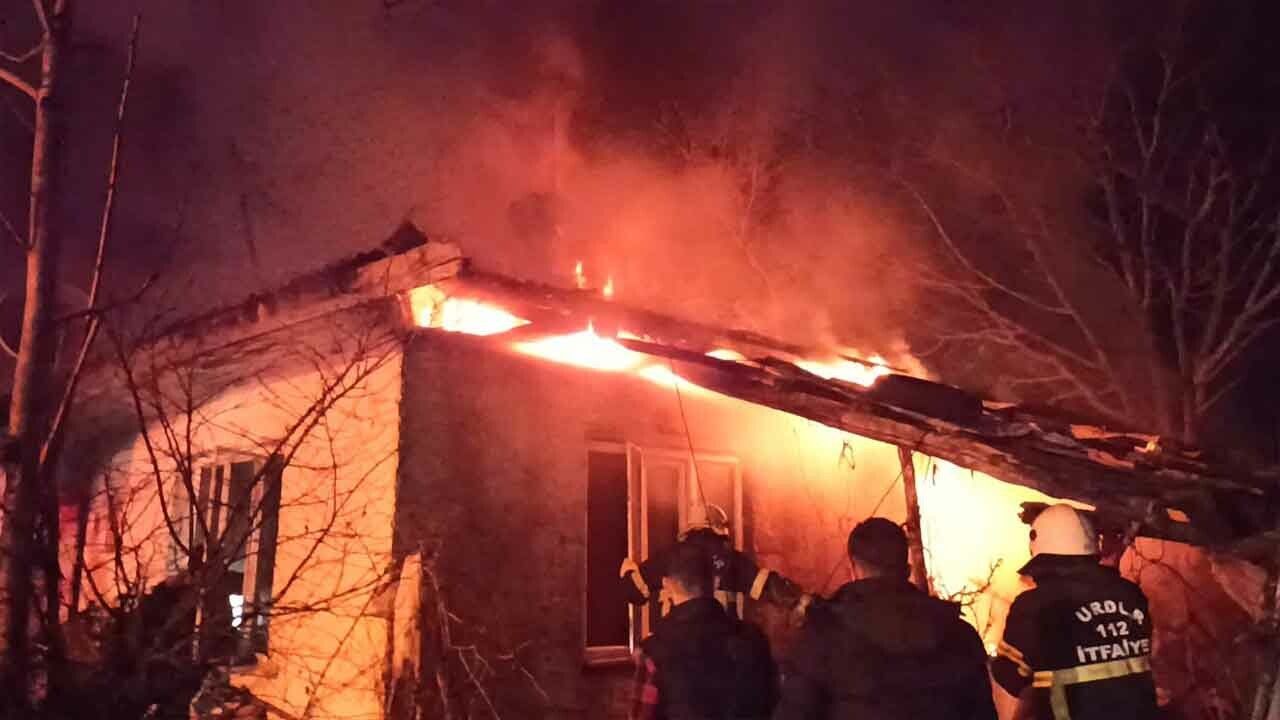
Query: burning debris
{"points": [[432, 309], [591, 348]]}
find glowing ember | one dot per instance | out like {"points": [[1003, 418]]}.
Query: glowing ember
{"points": [[432, 309], [579, 279], [583, 349], [608, 288], [727, 354], [847, 370]]}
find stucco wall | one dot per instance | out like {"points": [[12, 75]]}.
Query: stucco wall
{"points": [[329, 630]]}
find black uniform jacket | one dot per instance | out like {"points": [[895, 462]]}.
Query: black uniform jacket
{"points": [[711, 665], [882, 650], [1081, 640]]}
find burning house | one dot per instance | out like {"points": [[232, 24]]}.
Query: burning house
{"points": [[421, 480]]}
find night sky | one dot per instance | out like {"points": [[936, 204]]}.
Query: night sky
{"points": [[266, 139]]}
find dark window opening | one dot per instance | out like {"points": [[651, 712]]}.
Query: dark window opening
{"points": [[608, 615], [239, 503]]}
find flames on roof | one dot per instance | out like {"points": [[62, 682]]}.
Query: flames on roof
{"points": [[1158, 485], [589, 347]]}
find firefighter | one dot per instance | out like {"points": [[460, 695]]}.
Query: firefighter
{"points": [[1078, 645], [702, 662], [735, 572]]}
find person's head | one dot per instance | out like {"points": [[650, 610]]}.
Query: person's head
{"points": [[1062, 530], [878, 548], [689, 574]]}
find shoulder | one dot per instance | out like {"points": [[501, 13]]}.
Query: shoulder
{"points": [[1130, 586], [1029, 602]]}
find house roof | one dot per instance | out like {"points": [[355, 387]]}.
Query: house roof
{"points": [[1161, 488]]}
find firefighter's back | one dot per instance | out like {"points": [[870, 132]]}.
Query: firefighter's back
{"points": [[1082, 638]]}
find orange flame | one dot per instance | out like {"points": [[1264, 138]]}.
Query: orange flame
{"points": [[432, 309], [848, 370], [727, 354], [579, 279], [583, 349]]}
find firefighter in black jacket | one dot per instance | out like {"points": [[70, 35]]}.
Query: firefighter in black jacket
{"points": [[1078, 645], [702, 662], [735, 572]]}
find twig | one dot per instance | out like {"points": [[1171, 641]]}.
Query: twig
{"points": [[445, 641], [42, 14], [104, 234], [13, 109], [484, 695], [13, 231], [109, 307], [18, 83], [21, 58], [5, 347]]}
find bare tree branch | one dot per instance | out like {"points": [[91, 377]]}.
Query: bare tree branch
{"points": [[13, 231], [15, 81], [23, 57], [104, 235], [42, 14], [5, 347]]}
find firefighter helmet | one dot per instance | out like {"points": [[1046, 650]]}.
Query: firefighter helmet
{"points": [[1063, 530], [707, 516]]}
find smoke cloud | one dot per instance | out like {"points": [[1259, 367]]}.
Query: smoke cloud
{"points": [[726, 163]]}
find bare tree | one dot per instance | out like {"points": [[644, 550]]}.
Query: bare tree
{"points": [[247, 507], [44, 386], [1165, 207], [1193, 226]]}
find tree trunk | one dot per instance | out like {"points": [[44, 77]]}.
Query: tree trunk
{"points": [[33, 374], [1265, 700]]}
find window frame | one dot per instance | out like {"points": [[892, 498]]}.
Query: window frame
{"points": [[637, 518], [252, 635]]}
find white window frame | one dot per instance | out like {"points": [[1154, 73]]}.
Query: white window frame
{"points": [[638, 541]]}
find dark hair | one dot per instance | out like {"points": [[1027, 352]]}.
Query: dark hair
{"points": [[881, 546], [691, 567]]}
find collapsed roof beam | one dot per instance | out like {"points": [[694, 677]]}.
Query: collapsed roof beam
{"points": [[1016, 460]]}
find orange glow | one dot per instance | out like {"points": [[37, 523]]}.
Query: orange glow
{"points": [[584, 349], [974, 539], [432, 309], [579, 279], [662, 375], [726, 354], [848, 370], [608, 288]]}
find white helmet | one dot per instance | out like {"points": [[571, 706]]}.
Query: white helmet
{"points": [[709, 517], [1063, 530]]}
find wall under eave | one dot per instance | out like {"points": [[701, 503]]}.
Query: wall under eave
{"points": [[1201, 604], [974, 539], [494, 473], [493, 479], [330, 625]]}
